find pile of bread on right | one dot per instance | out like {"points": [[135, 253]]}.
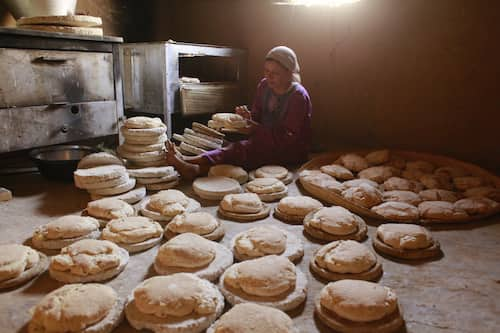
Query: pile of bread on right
{"points": [[394, 188]]}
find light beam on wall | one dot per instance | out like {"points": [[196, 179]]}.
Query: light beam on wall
{"points": [[330, 3]]}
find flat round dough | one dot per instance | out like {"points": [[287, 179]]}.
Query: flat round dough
{"points": [[180, 303], [253, 318], [61, 310], [215, 188], [267, 240]]}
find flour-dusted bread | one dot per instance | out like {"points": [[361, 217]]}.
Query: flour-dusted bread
{"points": [[439, 195], [320, 180], [467, 182], [228, 120], [421, 166], [143, 122], [357, 182], [433, 181], [441, 211], [268, 189], [405, 241], [115, 190], [165, 205], [19, 264], [231, 171], [270, 280], [334, 223], [364, 195], [271, 171], [450, 172], [402, 184], [192, 253], [88, 260], [244, 203], [405, 236], [337, 171], [489, 192], [266, 240], [293, 209], [397, 211], [378, 157], [359, 306], [477, 205], [353, 162], [100, 177], [109, 208], [253, 318], [379, 174], [133, 233], [64, 231], [98, 159], [152, 172], [408, 197], [78, 308], [131, 197], [145, 140], [178, 303], [139, 133], [346, 259], [201, 223]]}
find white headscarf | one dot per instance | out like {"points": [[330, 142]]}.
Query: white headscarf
{"points": [[287, 58]]}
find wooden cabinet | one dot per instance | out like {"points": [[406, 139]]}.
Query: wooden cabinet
{"points": [[57, 88]]}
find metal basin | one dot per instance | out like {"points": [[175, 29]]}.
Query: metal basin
{"points": [[59, 162]]}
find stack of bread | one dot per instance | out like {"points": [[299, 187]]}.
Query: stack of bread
{"points": [[227, 122], [199, 139], [156, 178], [105, 180], [144, 142]]}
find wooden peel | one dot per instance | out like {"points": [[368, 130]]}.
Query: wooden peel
{"points": [[65, 20]]}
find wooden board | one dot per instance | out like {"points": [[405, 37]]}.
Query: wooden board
{"points": [[63, 20], [86, 31]]}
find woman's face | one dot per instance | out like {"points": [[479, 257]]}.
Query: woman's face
{"points": [[278, 77]]}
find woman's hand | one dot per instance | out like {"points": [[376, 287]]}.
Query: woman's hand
{"points": [[243, 111]]}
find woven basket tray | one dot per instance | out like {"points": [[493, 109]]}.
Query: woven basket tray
{"points": [[438, 160]]}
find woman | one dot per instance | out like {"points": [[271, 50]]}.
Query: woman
{"points": [[279, 123]]}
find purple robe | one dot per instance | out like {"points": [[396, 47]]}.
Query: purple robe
{"points": [[283, 135]]}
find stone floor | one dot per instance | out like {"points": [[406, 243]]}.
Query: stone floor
{"points": [[460, 292]]}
